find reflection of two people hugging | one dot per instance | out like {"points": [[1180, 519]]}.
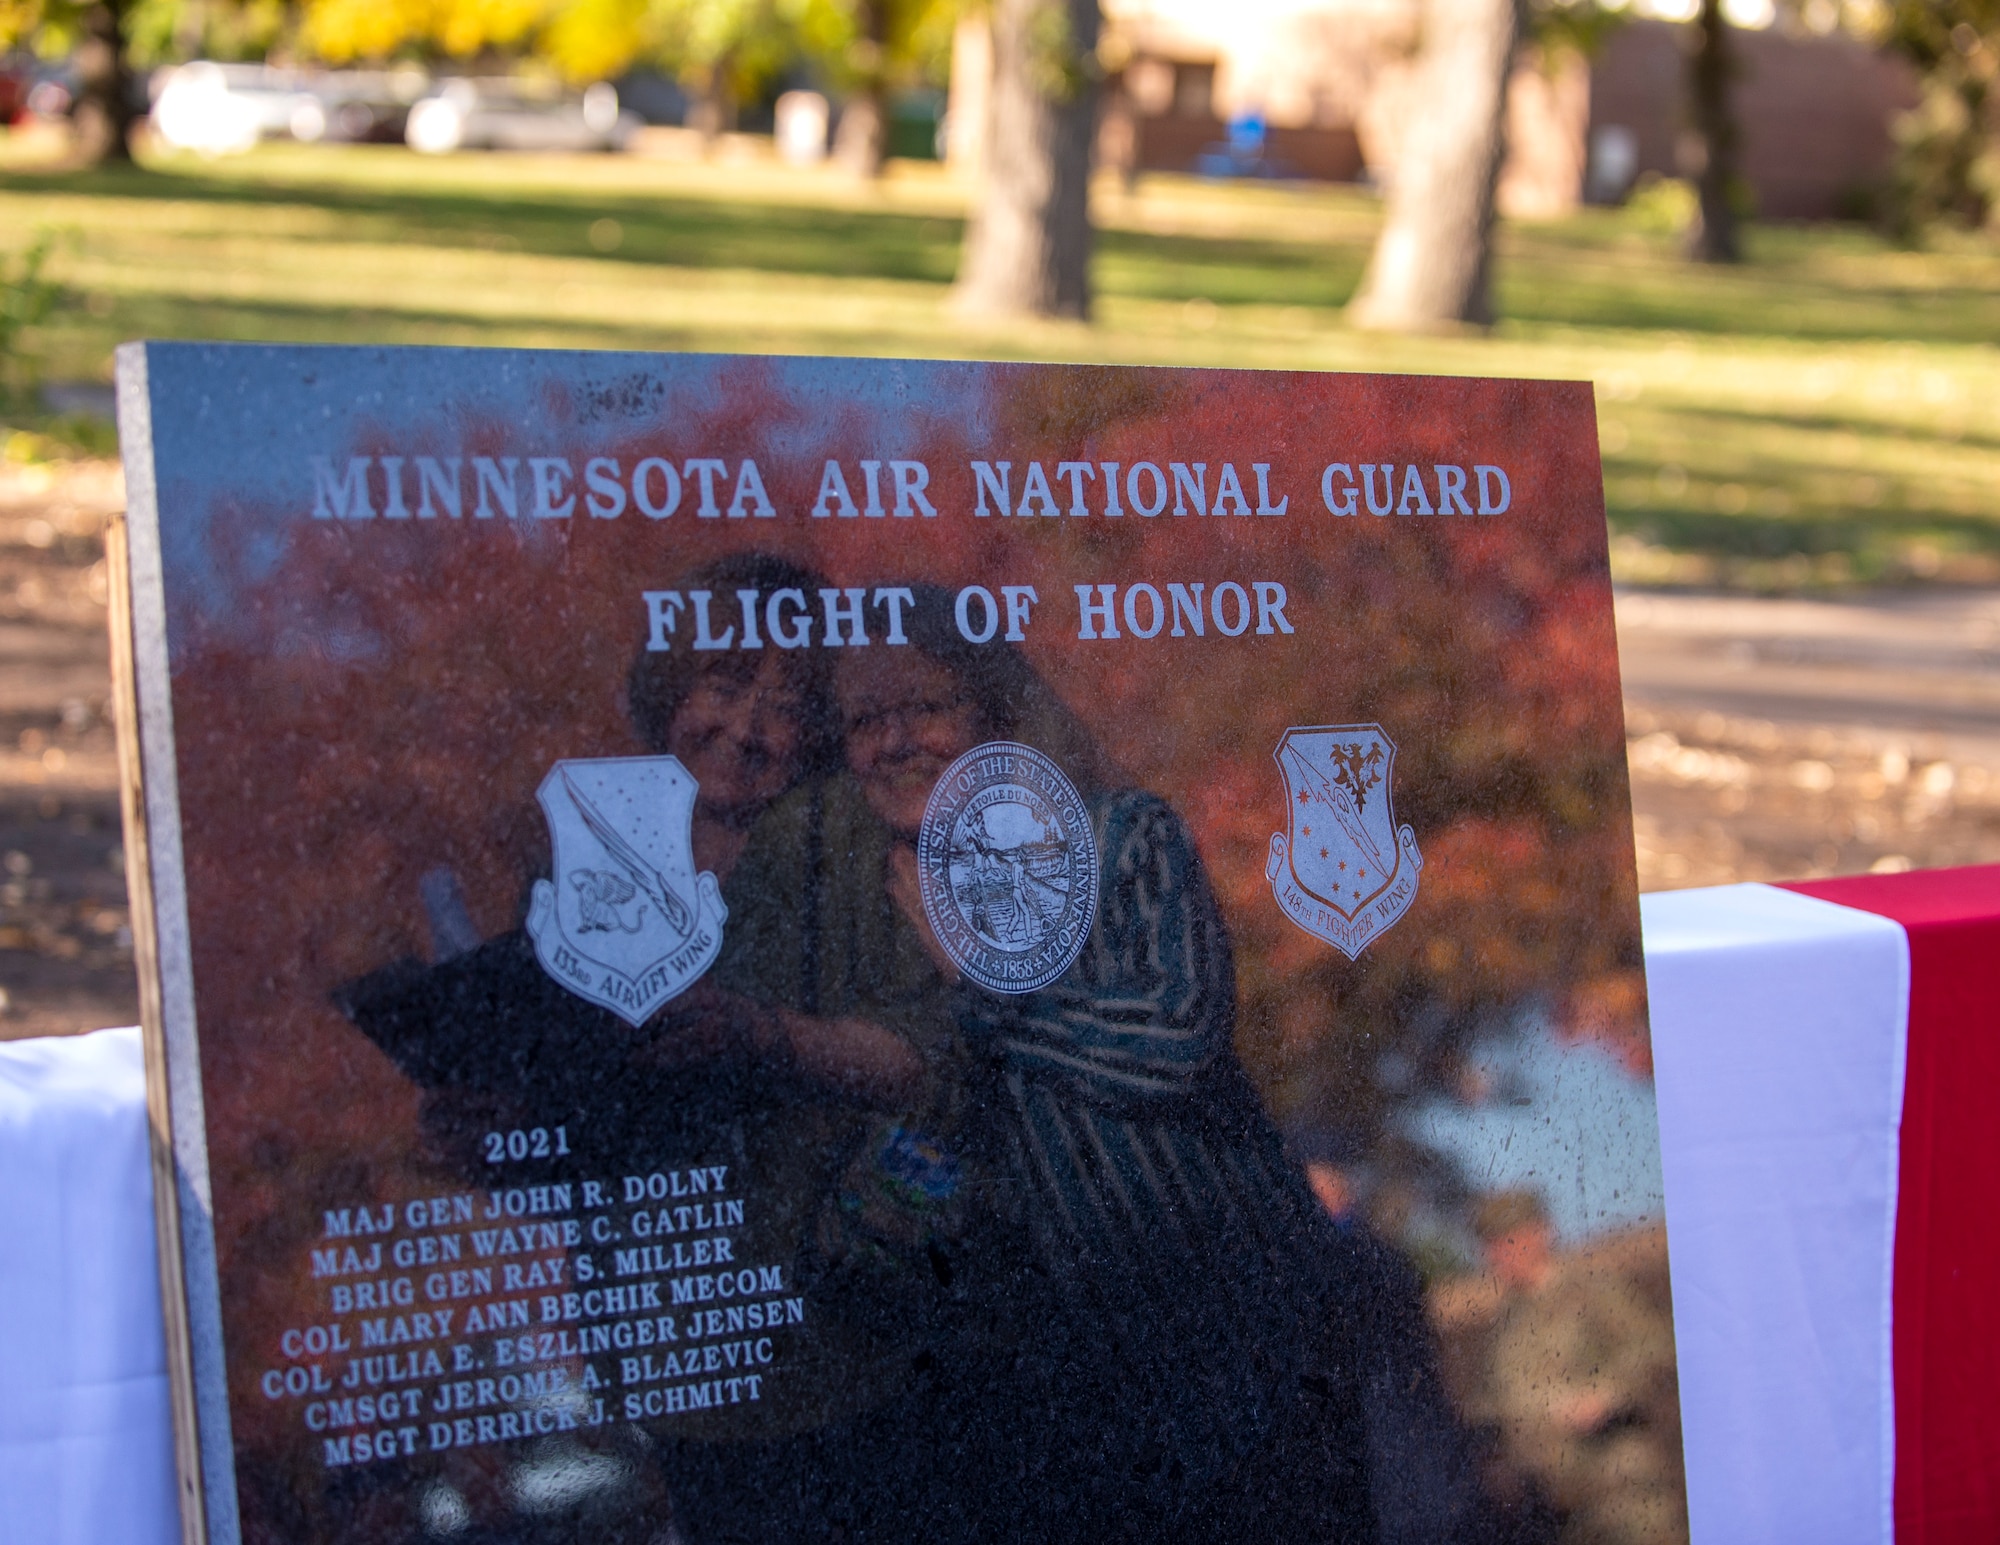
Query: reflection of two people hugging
{"points": [[1060, 1279]]}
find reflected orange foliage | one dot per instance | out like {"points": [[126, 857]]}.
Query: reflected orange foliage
{"points": [[383, 698]]}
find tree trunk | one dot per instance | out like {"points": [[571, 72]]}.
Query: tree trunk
{"points": [[1432, 266], [104, 113], [1027, 248], [1709, 152], [861, 142], [711, 112]]}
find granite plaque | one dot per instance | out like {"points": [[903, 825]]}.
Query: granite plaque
{"points": [[757, 949]]}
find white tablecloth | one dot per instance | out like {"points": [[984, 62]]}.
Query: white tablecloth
{"points": [[1778, 1033], [1778, 1029], [86, 1452]]}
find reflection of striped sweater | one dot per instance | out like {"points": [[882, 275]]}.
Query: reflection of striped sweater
{"points": [[1154, 1180]]}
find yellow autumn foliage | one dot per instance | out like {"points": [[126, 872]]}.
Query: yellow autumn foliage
{"points": [[731, 44], [598, 39], [45, 25], [340, 31]]}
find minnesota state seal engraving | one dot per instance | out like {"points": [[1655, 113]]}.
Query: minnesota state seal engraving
{"points": [[1007, 867], [626, 922], [1344, 871]]}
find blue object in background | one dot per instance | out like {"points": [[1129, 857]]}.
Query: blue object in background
{"points": [[1242, 153]]}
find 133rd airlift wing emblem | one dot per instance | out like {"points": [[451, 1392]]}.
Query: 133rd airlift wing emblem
{"points": [[1345, 871], [626, 922]]}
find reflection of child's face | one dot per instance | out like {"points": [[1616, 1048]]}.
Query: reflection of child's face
{"points": [[740, 737], [908, 719]]}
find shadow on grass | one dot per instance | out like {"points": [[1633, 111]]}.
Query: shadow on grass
{"points": [[695, 232], [1868, 538], [252, 321], [672, 229], [1549, 276], [1734, 420]]}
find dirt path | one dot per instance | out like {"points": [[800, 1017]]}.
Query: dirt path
{"points": [[1770, 739], [65, 939], [1780, 739]]}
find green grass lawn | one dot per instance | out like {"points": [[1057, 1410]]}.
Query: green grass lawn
{"points": [[1826, 414]]}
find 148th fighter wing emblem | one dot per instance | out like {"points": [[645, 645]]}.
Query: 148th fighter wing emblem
{"points": [[627, 923], [1344, 871]]}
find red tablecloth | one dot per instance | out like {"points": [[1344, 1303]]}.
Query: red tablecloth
{"points": [[1947, 1255]]}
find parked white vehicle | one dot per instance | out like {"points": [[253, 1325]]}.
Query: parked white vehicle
{"points": [[349, 106], [223, 109], [503, 115]]}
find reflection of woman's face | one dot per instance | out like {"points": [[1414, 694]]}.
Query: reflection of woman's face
{"points": [[740, 738], [908, 719]]}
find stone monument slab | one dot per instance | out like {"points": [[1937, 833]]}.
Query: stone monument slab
{"points": [[760, 949]]}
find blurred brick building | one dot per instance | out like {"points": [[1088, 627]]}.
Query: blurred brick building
{"points": [[1324, 89], [1816, 113]]}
